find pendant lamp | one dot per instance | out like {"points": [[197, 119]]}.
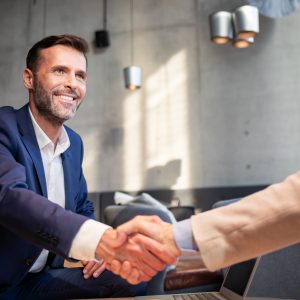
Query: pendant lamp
{"points": [[132, 73], [221, 27], [133, 77], [246, 22]]}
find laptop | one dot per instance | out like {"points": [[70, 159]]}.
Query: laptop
{"points": [[235, 286]]}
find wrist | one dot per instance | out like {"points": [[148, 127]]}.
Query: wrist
{"points": [[170, 240]]}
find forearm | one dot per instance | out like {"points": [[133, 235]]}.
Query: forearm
{"points": [[85, 243], [38, 220], [256, 225]]}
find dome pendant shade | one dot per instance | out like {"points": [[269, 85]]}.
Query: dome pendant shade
{"points": [[133, 77], [221, 27], [246, 22]]}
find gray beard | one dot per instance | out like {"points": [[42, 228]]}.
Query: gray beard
{"points": [[45, 107]]}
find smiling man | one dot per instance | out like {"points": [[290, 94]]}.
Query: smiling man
{"points": [[57, 86], [45, 215]]}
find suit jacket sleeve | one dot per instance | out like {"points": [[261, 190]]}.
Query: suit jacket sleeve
{"points": [[23, 211], [258, 224]]}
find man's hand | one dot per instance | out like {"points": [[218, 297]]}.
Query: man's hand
{"points": [[92, 268], [140, 256], [152, 228]]}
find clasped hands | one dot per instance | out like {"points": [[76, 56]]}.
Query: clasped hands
{"points": [[139, 249]]}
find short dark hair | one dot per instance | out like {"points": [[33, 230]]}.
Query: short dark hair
{"points": [[73, 41]]}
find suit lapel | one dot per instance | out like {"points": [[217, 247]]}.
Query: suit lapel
{"points": [[29, 139], [67, 165]]}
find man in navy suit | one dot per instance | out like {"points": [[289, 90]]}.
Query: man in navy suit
{"points": [[45, 215]]}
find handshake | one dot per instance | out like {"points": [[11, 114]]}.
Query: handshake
{"points": [[139, 249]]}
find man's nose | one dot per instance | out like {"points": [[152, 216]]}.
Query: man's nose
{"points": [[71, 81]]}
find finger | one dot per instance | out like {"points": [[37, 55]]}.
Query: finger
{"points": [[151, 218], [134, 276], [99, 270], [134, 225], [145, 261], [115, 267], [149, 270], [159, 253], [88, 269], [126, 269], [152, 263], [147, 225], [94, 269], [143, 276], [84, 262], [137, 276], [157, 219]]}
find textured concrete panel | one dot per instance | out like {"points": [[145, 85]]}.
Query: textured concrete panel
{"points": [[207, 115]]}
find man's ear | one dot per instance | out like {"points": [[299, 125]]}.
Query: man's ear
{"points": [[28, 79]]}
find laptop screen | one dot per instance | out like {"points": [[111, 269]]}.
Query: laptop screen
{"points": [[238, 276]]}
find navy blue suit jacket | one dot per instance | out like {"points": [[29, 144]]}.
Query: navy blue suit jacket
{"points": [[29, 222]]}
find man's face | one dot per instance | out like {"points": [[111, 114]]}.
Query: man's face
{"points": [[59, 84]]}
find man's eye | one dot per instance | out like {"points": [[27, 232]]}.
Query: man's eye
{"points": [[81, 76], [59, 71]]}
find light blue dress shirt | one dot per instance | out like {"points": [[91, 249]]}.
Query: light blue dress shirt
{"points": [[183, 235]]}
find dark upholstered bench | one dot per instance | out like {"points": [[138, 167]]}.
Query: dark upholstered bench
{"points": [[177, 280]]}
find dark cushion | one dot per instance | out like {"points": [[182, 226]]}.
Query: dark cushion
{"points": [[175, 280]]}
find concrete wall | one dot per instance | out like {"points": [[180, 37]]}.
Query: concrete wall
{"points": [[207, 115]]}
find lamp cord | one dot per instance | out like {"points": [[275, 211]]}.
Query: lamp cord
{"points": [[104, 14], [44, 18], [131, 32]]}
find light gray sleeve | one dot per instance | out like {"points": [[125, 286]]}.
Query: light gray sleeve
{"points": [[183, 235]]}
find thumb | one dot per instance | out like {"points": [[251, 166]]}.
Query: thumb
{"points": [[121, 238], [114, 238], [128, 228], [147, 225]]}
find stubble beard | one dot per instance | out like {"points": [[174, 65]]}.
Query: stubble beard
{"points": [[47, 107]]}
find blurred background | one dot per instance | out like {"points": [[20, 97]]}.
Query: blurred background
{"points": [[207, 115]]}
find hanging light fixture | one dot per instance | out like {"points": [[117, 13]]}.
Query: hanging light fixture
{"points": [[246, 22], [102, 36], [133, 77], [241, 26], [221, 27], [132, 74]]}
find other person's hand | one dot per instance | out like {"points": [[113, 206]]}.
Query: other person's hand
{"points": [[140, 256], [154, 228]]}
